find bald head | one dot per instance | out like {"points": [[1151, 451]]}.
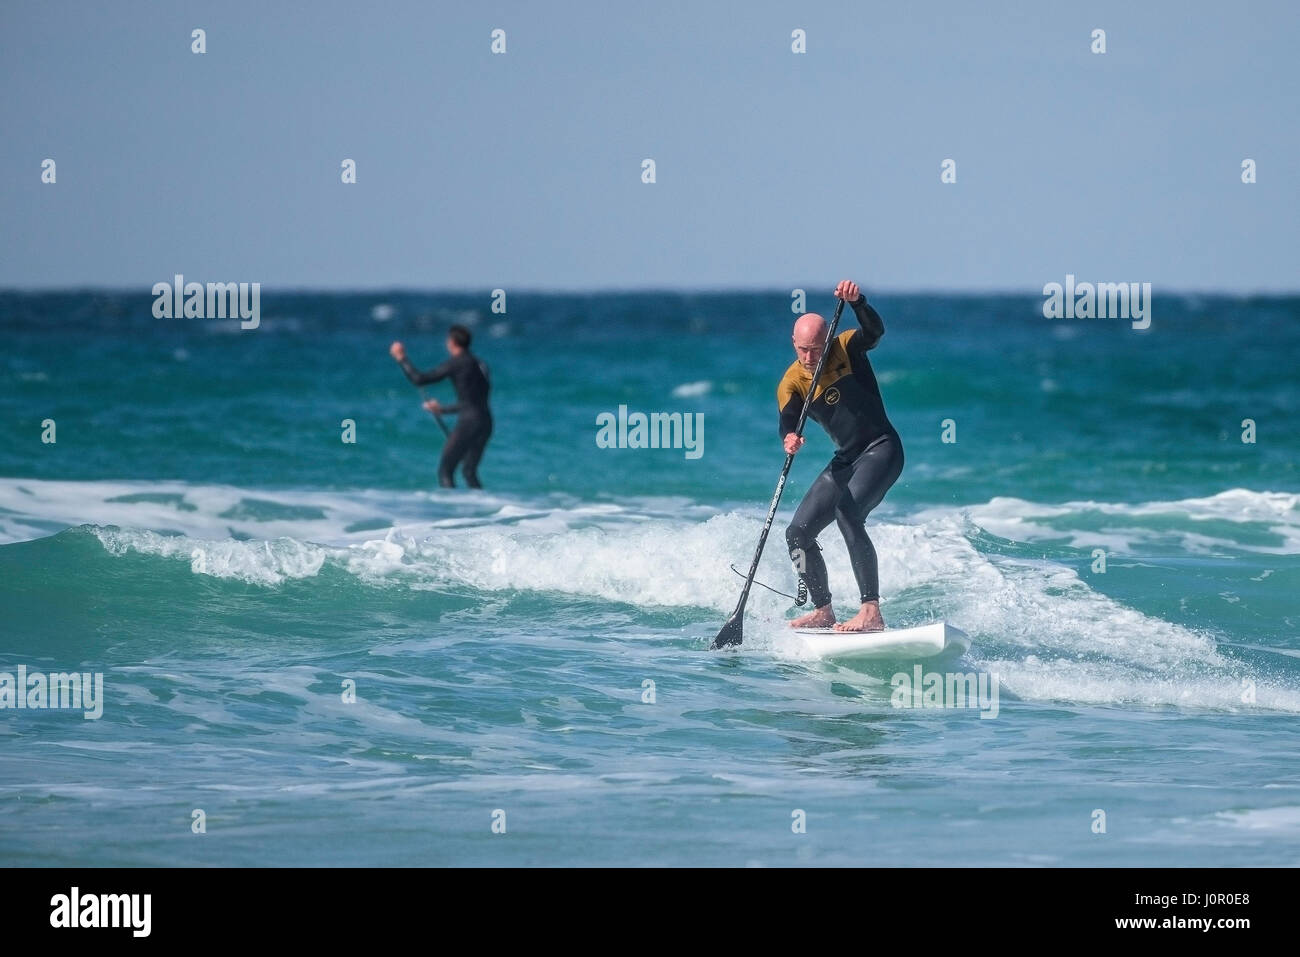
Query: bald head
{"points": [[809, 338], [809, 327]]}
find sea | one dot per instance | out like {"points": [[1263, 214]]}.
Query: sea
{"points": [[312, 655]]}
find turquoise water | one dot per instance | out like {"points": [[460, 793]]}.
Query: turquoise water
{"points": [[201, 536]]}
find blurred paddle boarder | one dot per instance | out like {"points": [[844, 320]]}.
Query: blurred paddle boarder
{"points": [[469, 375]]}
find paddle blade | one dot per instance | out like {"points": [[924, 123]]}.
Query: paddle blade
{"points": [[732, 632]]}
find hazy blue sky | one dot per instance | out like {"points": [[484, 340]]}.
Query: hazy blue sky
{"points": [[524, 170]]}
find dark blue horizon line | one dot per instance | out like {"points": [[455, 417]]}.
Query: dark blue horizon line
{"points": [[485, 291]]}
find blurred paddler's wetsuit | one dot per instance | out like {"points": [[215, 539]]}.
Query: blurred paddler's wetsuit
{"points": [[868, 455], [465, 445]]}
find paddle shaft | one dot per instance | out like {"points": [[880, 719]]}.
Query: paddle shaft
{"points": [[441, 424], [780, 485]]}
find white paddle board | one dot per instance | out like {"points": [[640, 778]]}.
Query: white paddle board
{"points": [[924, 641]]}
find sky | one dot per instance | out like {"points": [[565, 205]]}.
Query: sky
{"points": [[773, 169]]}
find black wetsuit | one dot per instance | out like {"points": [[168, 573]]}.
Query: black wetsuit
{"points": [[868, 455], [467, 441]]}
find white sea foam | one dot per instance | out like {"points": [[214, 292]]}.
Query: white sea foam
{"points": [[1125, 528], [1048, 634], [690, 390], [32, 508], [1279, 821]]}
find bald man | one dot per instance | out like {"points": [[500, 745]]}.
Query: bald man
{"points": [[868, 456]]}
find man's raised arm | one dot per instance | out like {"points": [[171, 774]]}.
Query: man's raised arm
{"points": [[436, 374], [873, 327]]}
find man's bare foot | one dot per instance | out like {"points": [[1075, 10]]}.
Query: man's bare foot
{"points": [[822, 617], [868, 619]]}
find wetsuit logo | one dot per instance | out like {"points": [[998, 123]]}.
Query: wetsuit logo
{"points": [[832, 396]]}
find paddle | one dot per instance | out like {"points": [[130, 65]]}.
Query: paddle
{"points": [[441, 424], [732, 632], [399, 353]]}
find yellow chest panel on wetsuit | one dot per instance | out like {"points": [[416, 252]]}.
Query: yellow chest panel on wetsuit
{"points": [[797, 379], [845, 404]]}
